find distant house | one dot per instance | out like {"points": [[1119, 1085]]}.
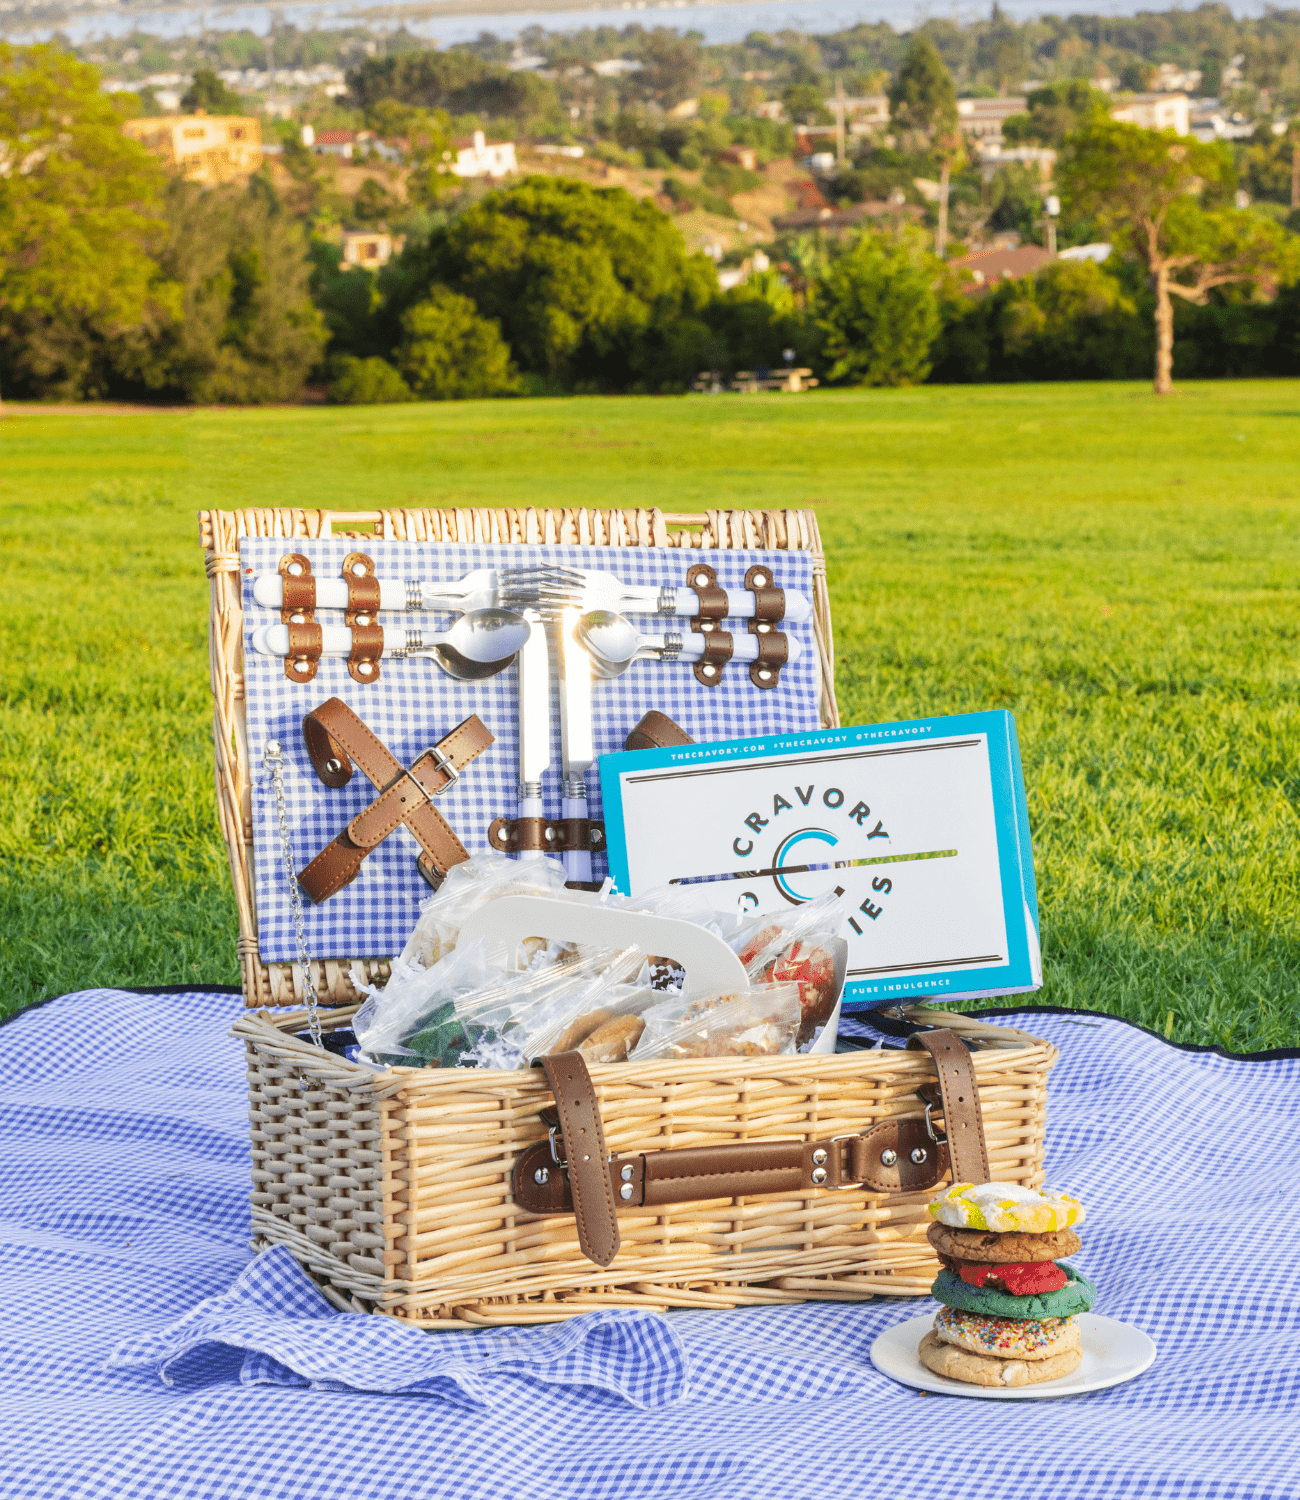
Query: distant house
{"points": [[769, 109], [203, 148], [335, 143], [476, 156], [368, 249], [1155, 112], [984, 118], [988, 267], [866, 113], [616, 67], [993, 155], [741, 156]]}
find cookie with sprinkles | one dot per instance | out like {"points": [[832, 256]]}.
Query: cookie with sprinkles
{"points": [[1007, 1338]]}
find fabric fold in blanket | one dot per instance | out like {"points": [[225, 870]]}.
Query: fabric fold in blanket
{"points": [[292, 1336]]}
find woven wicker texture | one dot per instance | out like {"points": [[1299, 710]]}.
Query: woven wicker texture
{"points": [[281, 984], [394, 1188]]}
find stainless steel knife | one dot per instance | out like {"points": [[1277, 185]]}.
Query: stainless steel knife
{"points": [[575, 733], [534, 722]]}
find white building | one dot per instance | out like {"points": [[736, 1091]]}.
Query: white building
{"points": [[1155, 112], [616, 67], [479, 157], [984, 118]]}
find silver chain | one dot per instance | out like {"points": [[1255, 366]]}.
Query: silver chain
{"points": [[274, 763]]}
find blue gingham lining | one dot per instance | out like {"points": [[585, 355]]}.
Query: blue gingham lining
{"points": [[125, 1205], [414, 704]]}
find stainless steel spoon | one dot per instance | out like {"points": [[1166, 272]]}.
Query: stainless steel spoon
{"points": [[612, 642], [480, 644]]}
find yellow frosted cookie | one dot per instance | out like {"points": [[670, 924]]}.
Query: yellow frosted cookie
{"points": [[1005, 1208]]}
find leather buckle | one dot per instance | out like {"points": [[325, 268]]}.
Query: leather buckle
{"points": [[552, 1134], [441, 762], [939, 1140], [844, 1187]]}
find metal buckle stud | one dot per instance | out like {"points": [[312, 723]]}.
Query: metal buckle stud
{"points": [[441, 763]]}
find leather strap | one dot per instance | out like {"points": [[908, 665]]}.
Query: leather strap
{"points": [[713, 604], [584, 1147], [769, 601], [656, 731], [900, 1154], [963, 1122], [304, 652], [367, 648], [773, 653], [896, 1156], [363, 589], [718, 648], [298, 596], [556, 836], [335, 738], [769, 609]]}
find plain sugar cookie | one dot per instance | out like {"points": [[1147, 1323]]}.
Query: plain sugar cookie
{"points": [[983, 1369]]}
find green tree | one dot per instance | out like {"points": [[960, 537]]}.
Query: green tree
{"points": [[373, 203], [1055, 112], [246, 331], [207, 92], [803, 104], [1000, 50], [923, 101], [454, 81], [575, 276], [450, 353], [923, 98], [1157, 195], [367, 382], [81, 215], [878, 310]]}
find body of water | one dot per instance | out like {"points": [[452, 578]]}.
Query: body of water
{"points": [[718, 23]]}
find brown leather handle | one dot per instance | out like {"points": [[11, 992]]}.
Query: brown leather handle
{"points": [[896, 1156], [963, 1123], [899, 1155]]}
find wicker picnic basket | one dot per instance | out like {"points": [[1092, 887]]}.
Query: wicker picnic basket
{"points": [[398, 1190]]}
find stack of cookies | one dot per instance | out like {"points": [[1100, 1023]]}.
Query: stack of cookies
{"points": [[1010, 1305]]}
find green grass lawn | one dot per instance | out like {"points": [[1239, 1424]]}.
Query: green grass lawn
{"points": [[1122, 573]]}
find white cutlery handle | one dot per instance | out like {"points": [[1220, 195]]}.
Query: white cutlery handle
{"points": [[745, 646], [740, 603], [577, 862], [531, 807], [331, 593]]}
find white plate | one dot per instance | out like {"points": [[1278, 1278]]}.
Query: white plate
{"points": [[1112, 1353]]}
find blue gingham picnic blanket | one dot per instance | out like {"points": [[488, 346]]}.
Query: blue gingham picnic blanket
{"points": [[146, 1356], [414, 704]]}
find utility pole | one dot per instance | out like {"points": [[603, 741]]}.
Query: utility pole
{"points": [[839, 125], [1295, 165]]}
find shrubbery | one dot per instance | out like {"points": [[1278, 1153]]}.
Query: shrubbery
{"points": [[367, 382], [449, 353]]}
